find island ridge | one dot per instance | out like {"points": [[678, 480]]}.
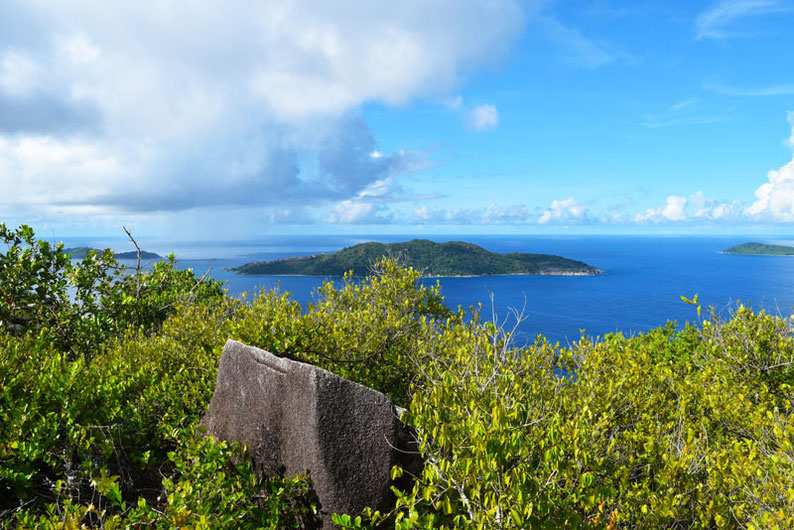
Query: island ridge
{"points": [[454, 258], [760, 249]]}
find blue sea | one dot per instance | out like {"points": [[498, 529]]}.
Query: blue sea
{"points": [[641, 288]]}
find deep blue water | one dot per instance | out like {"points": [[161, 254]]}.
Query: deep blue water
{"points": [[644, 277]]}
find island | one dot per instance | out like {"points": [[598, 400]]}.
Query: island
{"points": [[760, 249], [81, 252], [455, 258]]}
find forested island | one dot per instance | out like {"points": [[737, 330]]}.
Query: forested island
{"points": [[454, 258], [81, 252], [760, 249]]}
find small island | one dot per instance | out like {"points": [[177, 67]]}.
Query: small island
{"points": [[81, 252], [455, 258], [760, 249]]}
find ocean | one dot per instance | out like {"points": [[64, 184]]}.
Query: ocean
{"points": [[641, 288]]}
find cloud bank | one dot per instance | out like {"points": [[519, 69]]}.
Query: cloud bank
{"points": [[163, 106]]}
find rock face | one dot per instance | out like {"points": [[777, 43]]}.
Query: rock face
{"points": [[296, 417]]}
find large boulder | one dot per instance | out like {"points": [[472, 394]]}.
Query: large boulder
{"points": [[296, 417]]}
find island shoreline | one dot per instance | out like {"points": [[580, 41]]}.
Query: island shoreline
{"points": [[429, 276]]}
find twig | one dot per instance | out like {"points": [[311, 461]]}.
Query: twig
{"points": [[138, 267]]}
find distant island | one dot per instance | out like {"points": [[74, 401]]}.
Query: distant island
{"points": [[81, 252], [760, 249], [455, 258]]}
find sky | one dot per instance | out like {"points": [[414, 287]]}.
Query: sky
{"points": [[239, 119]]}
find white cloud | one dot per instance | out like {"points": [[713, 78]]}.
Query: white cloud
{"points": [[673, 210], [455, 216], [483, 117], [775, 198], [700, 207], [80, 51], [354, 211], [19, 73], [564, 211], [695, 208], [492, 215], [713, 22], [515, 214], [186, 109], [423, 214]]}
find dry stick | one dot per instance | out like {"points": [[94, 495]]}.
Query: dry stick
{"points": [[138, 268]]}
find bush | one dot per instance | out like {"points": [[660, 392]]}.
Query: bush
{"points": [[666, 429], [99, 389], [105, 375], [80, 305], [369, 331]]}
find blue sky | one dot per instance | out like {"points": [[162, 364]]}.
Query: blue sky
{"points": [[420, 116]]}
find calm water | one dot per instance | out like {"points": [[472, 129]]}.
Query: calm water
{"points": [[644, 279]]}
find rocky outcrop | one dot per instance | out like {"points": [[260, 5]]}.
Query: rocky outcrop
{"points": [[296, 417]]}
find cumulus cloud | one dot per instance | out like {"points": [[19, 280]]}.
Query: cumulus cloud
{"points": [[673, 210], [703, 208], [696, 207], [455, 216], [564, 211], [157, 105], [714, 22], [775, 198], [515, 214], [483, 117], [349, 161]]}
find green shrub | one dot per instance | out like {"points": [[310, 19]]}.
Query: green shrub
{"points": [[80, 305], [105, 375], [370, 331], [210, 486], [666, 429]]}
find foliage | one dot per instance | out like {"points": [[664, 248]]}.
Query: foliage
{"points": [[105, 375], [454, 258], [370, 332], [211, 486], [81, 305], [120, 407], [667, 429]]}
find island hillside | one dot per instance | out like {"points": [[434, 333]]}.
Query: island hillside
{"points": [[81, 252], [760, 249], [455, 258]]}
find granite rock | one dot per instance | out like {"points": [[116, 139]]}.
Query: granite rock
{"points": [[295, 417]]}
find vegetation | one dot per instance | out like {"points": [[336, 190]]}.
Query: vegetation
{"points": [[82, 252], [761, 249], [104, 378], [454, 258]]}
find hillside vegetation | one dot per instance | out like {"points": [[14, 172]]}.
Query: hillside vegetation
{"points": [[102, 391], [761, 249], [454, 258]]}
